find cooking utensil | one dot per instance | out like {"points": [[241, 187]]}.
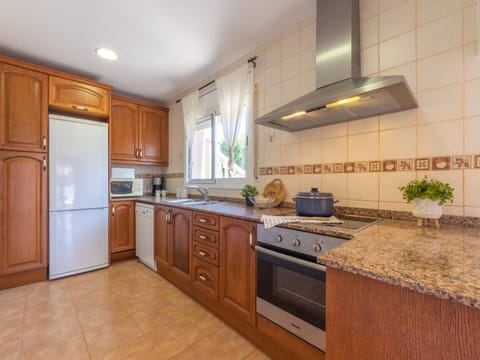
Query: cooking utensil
{"points": [[314, 203]]}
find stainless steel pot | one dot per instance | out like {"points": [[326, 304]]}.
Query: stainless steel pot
{"points": [[314, 203]]}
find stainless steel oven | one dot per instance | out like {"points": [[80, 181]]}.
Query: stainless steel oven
{"points": [[291, 293]]}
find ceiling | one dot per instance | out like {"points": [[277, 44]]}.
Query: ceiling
{"points": [[164, 47]]}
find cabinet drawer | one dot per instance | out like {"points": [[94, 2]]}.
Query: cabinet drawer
{"points": [[207, 237], [77, 97], [206, 220], [205, 277], [206, 253]]}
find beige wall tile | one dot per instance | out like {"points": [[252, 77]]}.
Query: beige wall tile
{"points": [[472, 103], [310, 181], [472, 136], [452, 210], [369, 60], [409, 71], [334, 150], [289, 154], [363, 147], [308, 36], [368, 9], [449, 29], [363, 204], [272, 96], [363, 125], [307, 81], [336, 184], [290, 42], [395, 206], [439, 104], [389, 184], [272, 75], [307, 59], [440, 139], [397, 51], [472, 193], [388, 4], [442, 69], [334, 130], [362, 187], [397, 120], [290, 90], [397, 20], [290, 67], [470, 24], [311, 135], [390, 140], [287, 138], [310, 152], [428, 10], [272, 52], [472, 211], [369, 32], [472, 62]]}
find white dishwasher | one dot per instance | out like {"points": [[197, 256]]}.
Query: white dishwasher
{"points": [[144, 234]]}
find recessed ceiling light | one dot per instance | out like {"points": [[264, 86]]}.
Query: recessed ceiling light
{"points": [[107, 54]]}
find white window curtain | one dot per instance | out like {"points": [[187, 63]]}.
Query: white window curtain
{"points": [[190, 115], [234, 92]]}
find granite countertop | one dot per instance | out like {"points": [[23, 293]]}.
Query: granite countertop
{"points": [[442, 262]]}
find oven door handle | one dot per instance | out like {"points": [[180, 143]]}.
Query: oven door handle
{"points": [[301, 262]]}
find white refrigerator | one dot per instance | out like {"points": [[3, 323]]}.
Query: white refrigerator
{"points": [[78, 195]]}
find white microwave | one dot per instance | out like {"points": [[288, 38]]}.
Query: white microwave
{"points": [[126, 187]]}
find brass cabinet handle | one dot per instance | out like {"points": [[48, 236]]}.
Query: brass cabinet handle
{"points": [[140, 154], [113, 210], [203, 237], [250, 238], [82, 108], [44, 163], [202, 220], [202, 277], [202, 253], [44, 142]]}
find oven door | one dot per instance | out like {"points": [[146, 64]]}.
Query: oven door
{"points": [[291, 293]]}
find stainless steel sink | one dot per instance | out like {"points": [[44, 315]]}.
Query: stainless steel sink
{"points": [[203, 202], [179, 201], [191, 202]]}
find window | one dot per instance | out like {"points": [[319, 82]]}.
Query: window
{"points": [[211, 159]]}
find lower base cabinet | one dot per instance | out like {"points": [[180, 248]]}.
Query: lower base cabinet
{"points": [[122, 229], [23, 217]]}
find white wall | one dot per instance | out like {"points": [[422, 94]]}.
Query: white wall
{"points": [[434, 45]]}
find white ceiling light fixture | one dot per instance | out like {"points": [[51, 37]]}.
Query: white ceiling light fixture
{"points": [[106, 54]]}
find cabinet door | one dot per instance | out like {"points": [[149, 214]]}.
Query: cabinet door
{"points": [[181, 235], [77, 97], [23, 209], [23, 109], [161, 231], [122, 226], [237, 267], [124, 130], [153, 135]]}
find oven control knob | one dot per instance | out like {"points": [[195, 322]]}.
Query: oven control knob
{"points": [[296, 242], [278, 238], [317, 247]]}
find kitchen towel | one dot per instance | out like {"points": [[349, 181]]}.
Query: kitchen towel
{"points": [[271, 220]]}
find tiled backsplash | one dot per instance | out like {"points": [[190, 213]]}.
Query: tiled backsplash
{"points": [[434, 45]]}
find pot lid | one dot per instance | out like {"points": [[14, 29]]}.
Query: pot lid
{"points": [[315, 194]]}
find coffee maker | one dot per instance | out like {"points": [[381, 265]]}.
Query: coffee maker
{"points": [[157, 184]]}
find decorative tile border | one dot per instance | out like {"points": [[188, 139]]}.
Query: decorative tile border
{"points": [[436, 163]]}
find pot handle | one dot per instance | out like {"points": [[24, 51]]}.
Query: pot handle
{"points": [[335, 201], [294, 199]]}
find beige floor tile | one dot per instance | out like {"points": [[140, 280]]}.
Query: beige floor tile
{"points": [[257, 355], [149, 319], [232, 342], [10, 350], [205, 320], [136, 349], [174, 337], [54, 346], [202, 350]]}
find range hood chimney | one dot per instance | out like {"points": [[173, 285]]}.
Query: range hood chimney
{"points": [[342, 94]]}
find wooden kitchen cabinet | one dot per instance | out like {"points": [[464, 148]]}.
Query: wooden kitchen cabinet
{"points": [[23, 109], [173, 233], [122, 226], [78, 97], [23, 212], [237, 267], [139, 133]]}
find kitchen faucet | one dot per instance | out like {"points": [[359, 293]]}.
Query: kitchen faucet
{"points": [[200, 189]]}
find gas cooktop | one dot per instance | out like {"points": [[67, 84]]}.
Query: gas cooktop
{"points": [[353, 222]]}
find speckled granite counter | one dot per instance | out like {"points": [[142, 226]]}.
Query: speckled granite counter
{"points": [[442, 262]]}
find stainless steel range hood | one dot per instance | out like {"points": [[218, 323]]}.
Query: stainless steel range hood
{"points": [[342, 94]]}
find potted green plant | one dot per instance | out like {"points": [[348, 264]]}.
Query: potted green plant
{"points": [[427, 196], [246, 191]]}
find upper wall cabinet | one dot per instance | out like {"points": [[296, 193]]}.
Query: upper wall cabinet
{"points": [[78, 97], [139, 133], [23, 109]]}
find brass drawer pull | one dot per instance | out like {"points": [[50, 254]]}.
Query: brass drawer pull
{"points": [[203, 237], [202, 277], [202, 220], [83, 108], [202, 253]]}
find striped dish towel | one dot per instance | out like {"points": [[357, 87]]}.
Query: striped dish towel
{"points": [[271, 220]]}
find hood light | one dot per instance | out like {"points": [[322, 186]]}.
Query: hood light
{"points": [[294, 115], [343, 101], [106, 54]]}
